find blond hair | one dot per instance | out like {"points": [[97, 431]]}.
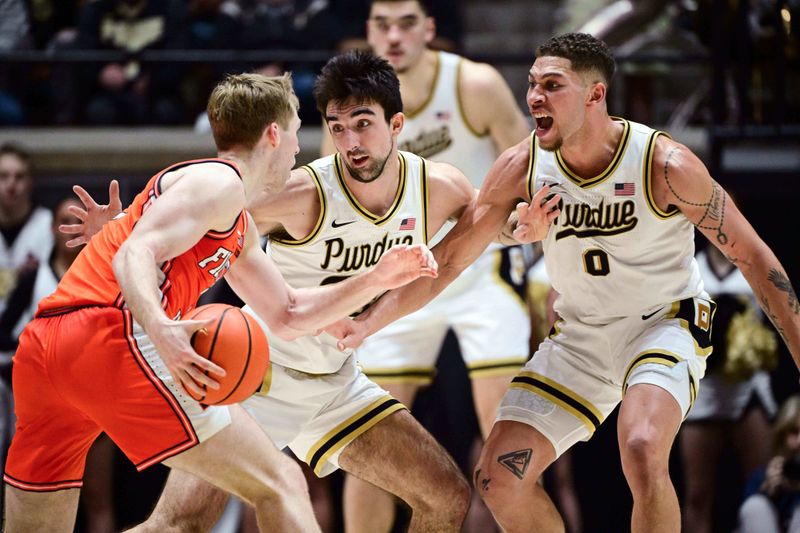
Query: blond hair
{"points": [[243, 105]]}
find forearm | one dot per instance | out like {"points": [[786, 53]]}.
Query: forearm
{"points": [[313, 308], [775, 294], [136, 273], [506, 235]]}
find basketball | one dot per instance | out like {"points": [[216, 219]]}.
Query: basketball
{"points": [[237, 343]]}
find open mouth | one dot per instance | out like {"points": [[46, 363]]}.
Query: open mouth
{"points": [[543, 122], [359, 160]]}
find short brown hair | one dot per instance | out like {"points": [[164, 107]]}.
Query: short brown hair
{"points": [[425, 5], [243, 105], [585, 52]]}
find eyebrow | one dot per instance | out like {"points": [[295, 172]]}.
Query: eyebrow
{"points": [[547, 75], [382, 18], [357, 112]]}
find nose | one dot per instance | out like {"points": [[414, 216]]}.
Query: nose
{"points": [[395, 33]]}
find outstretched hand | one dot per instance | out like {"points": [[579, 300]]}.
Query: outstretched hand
{"points": [[535, 218], [93, 216], [403, 264]]}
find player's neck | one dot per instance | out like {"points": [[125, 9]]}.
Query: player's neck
{"points": [[589, 151], [244, 164], [379, 194], [14, 215], [416, 83]]}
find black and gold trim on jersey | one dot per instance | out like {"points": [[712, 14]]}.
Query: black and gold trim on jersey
{"points": [[696, 315], [647, 178], [615, 161], [555, 331], [495, 367], [266, 383], [363, 211], [660, 357], [417, 375], [567, 399], [437, 74], [323, 209], [532, 166], [347, 431], [425, 199]]}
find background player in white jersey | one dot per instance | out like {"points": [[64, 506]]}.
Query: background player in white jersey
{"points": [[463, 113], [336, 216], [634, 320]]}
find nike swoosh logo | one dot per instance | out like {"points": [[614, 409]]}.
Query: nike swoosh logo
{"points": [[645, 317], [335, 224]]}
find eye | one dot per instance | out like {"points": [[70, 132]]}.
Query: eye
{"points": [[552, 85], [363, 123], [337, 128]]}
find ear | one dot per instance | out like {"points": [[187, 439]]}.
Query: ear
{"points": [[597, 93], [430, 29], [396, 123], [273, 134]]}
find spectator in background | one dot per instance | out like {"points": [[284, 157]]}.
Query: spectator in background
{"points": [[25, 237], [129, 91], [14, 35], [774, 507], [735, 401]]}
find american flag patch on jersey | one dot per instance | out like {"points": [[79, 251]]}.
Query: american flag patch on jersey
{"points": [[624, 189], [408, 224]]}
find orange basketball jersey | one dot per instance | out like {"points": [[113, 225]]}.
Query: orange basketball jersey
{"points": [[90, 280]]}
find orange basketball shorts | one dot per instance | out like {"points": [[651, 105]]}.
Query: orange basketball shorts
{"points": [[86, 371]]}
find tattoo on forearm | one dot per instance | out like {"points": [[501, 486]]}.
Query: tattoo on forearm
{"points": [[765, 305], [714, 214], [517, 462], [782, 283]]}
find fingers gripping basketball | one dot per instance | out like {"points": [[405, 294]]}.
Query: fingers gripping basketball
{"points": [[236, 342]]}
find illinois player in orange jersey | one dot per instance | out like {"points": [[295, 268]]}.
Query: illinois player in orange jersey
{"points": [[107, 351]]}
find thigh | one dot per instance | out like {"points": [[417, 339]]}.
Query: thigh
{"points": [[405, 351], [48, 451], [358, 406], [560, 395], [513, 451], [399, 456]]}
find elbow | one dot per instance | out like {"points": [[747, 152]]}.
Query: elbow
{"points": [[289, 324]]}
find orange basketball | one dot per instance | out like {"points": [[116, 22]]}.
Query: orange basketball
{"points": [[237, 343]]}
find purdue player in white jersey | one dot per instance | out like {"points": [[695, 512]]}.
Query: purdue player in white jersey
{"points": [[634, 319], [463, 113]]}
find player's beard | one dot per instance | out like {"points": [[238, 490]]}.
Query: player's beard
{"points": [[370, 173]]}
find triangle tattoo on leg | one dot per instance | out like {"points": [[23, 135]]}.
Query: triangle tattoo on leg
{"points": [[517, 462]]}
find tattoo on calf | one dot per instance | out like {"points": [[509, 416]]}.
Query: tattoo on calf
{"points": [[782, 283], [714, 207], [517, 462]]}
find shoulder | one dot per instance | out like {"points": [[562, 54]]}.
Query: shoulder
{"points": [[479, 78], [273, 211], [207, 179], [671, 159], [447, 181]]}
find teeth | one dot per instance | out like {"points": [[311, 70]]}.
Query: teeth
{"points": [[540, 115]]}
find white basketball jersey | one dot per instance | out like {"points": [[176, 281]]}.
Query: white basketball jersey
{"points": [[346, 240], [439, 131], [612, 252]]}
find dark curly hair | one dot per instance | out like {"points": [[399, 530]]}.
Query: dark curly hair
{"points": [[584, 51], [359, 76]]}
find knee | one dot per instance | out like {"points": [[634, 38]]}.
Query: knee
{"points": [[448, 498], [498, 487], [287, 481], [644, 457]]}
